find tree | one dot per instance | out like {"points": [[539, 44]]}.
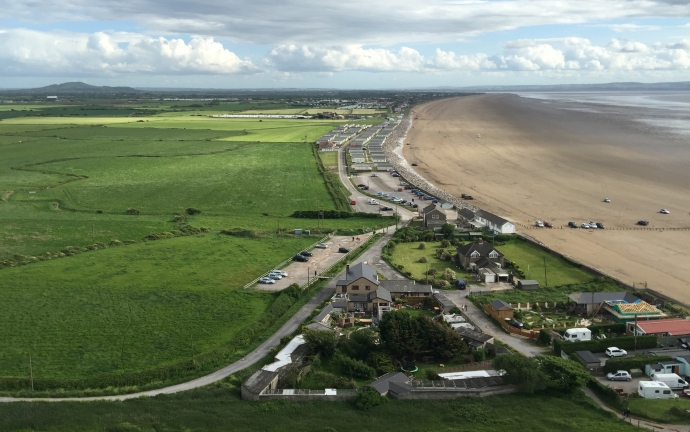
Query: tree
{"points": [[321, 342], [398, 333], [439, 338], [448, 230], [368, 398], [563, 374], [545, 337], [449, 274], [524, 372]]}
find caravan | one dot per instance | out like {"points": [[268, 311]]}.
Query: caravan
{"points": [[578, 334], [655, 390]]}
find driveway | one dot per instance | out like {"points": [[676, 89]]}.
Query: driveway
{"points": [[322, 260]]}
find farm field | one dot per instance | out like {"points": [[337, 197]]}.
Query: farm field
{"points": [[531, 258], [214, 408], [135, 307]]}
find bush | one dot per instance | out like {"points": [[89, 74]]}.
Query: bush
{"points": [[132, 211], [606, 393], [480, 354], [445, 243], [545, 337], [600, 345], [422, 245], [368, 398], [442, 283], [431, 271], [192, 211], [449, 274], [635, 362], [356, 368], [423, 260]]}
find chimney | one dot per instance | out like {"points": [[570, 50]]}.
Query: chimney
{"points": [[347, 269]]}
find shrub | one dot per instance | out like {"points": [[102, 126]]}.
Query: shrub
{"points": [[132, 211], [545, 337], [422, 245], [353, 367], [99, 211], [431, 271], [480, 354], [449, 274], [192, 211], [635, 362], [422, 260], [368, 398], [600, 345], [443, 283], [445, 243]]}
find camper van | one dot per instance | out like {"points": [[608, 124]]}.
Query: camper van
{"points": [[671, 380], [577, 334], [655, 390]]}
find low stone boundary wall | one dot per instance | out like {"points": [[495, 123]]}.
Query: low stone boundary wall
{"points": [[432, 393]]}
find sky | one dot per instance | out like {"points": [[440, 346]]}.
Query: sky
{"points": [[354, 44]]}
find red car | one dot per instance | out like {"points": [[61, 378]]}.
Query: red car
{"points": [[548, 224], [352, 202]]}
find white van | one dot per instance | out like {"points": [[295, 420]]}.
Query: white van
{"points": [[655, 390], [671, 380], [373, 201], [577, 334]]}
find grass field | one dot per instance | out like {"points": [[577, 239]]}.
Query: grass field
{"points": [[133, 307], [663, 410], [215, 408], [531, 258], [329, 158], [408, 255]]}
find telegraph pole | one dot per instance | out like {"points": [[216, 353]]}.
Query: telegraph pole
{"points": [[31, 372]]}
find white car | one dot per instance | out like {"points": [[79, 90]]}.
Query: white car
{"points": [[396, 199], [616, 352], [321, 246], [607, 200], [539, 223], [279, 272], [620, 375], [266, 280], [664, 211], [274, 276], [593, 225], [584, 226]]}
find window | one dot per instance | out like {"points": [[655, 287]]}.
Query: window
{"points": [[493, 254], [434, 216], [665, 391], [368, 288], [474, 254], [355, 287], [656, 391]]}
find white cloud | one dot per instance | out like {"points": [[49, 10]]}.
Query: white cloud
{"points": [[381, 22], [33, 53], [337, 59], [630, 27]]}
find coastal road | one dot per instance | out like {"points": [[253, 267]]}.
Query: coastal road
{"points": [[287, 329]]}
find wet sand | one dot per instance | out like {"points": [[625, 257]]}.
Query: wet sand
{"points": [[536, 160]]}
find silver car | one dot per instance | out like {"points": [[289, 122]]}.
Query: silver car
{"points": [[620, 375], [266, 280]]}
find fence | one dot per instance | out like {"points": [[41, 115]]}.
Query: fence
{"points": [[532, 334], [283, 263]]}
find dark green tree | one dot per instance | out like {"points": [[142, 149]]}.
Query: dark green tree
{"points": [[524, 372], [368, 398], [563, 374], [448, 230], [321, 342], [398, 331]]}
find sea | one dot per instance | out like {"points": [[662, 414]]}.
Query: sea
{"points": [[667, 111]]}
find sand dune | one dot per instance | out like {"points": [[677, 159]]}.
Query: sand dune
{"points": [[535, 160]]}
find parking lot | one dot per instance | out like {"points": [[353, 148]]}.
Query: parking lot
{"points": [[322, 259]]}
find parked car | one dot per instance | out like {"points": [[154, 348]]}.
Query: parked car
{"points": [[364, 187], [396, 175], [620, 375], [415, 205], [600, 225], [353, 202], [306, 253], [414, 164], [300, 258], [539, 223], [643, 222], [435, 201], [407, 187], [572, 224], [266, 280], [321, 246], [278, 272], [343, 250], [664, 211], [616, 352], [374, 175], [403, 202], [372, 201], [593, 225], [548, 224], [274, 276], [585, 226], [516, 324], [361, 185], [606, 200], [386, 208]]}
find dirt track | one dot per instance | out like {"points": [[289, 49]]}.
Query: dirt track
{"points": [[534, 161]]}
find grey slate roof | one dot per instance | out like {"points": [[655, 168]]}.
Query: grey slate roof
{"points": [[496, 220], [382, 383], [381, 293], [405, 286], [317, 326], [428, 208], [466, 213], [500, 304], [484, 248], [485, 262], [324, 312], [259, 381], [588, 357], [473, 335], [685, 357], [357, 271], [600, 297]]}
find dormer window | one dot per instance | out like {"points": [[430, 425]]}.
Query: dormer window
{"points": [[493, 254], [474, 254]]}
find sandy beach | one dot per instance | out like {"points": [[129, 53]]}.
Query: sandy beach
{"points": [[541, 160]]}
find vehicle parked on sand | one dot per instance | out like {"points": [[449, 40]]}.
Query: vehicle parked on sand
{"points": [[280, 272], [343, 250], [414, 164], [616, 352], [620, 375], [643, 222], [548, 224], [585, 226], [374, 175], [606, 200], [600, 225], [539, 223], [572, 224], [274, 276], [306, 253], [664, 211]]}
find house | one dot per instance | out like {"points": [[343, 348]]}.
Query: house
{"points": [[624, 312], [474, 338], [466, 215], [479, 254], [494, 223], [444, 304], [434, 217], [589, 360], [677, 327], [382, 384], [670, 366], [361, 292], [324, 317], [591, 302], [501, 309], [407, 289]]}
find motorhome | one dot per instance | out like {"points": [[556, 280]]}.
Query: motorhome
{"points": [[671, 380], [577, 334], [655, 390]]}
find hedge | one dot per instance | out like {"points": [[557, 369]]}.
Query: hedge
{"points": [[335, 214], [636, 362], [608, 328], [606, 394], [600, 345]]}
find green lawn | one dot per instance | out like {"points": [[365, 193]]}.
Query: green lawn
{"points": [[217, 408], [550, 294], [418, 312], [329, 158], [531, 258], [133, 307], [408, 255], [662, 410]]}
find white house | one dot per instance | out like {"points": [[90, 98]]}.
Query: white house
{"points": [[494, 223]]}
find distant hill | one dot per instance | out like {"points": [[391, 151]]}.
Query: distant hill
{"points": [[616, 86], [76, 88]]}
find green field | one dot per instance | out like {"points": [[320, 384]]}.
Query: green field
{"points": [[217, 408], [133, 307], [662, 410], [407, 255], [329, 158]]}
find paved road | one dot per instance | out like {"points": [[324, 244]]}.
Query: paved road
{"points": [[287, 329]]}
